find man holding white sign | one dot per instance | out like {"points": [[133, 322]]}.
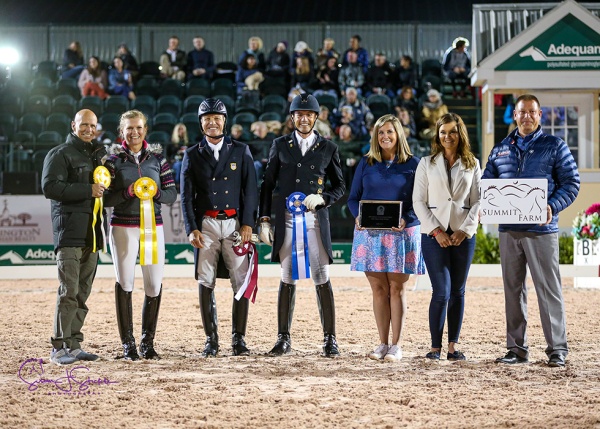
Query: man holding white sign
{"points": [[528, 153]]}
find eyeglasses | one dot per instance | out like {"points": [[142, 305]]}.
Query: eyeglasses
{"points": [[531, 113]]}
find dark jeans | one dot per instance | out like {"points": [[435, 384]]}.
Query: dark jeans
{"points": [[448, 268]]}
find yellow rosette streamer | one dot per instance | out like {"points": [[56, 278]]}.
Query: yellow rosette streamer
{"points": [[101, 175], [145, 189]]}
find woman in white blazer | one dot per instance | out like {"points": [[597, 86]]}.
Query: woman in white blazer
{"points": [[446, 201]]}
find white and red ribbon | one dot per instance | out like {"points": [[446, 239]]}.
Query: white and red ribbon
{"points": [[250, 287]]}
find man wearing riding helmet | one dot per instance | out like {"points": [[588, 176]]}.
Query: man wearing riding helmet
{"points": [[218, 198], [300, 164]]}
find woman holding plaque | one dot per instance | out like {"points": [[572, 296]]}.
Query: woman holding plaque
{"points": [[141, 180], [446, 200], [390, 255]]}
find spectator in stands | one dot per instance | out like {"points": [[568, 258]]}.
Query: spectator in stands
{"points": [[237, 132], [173, 61], [278, 61], [433, 109], [302, 50], [262, 139], [260, 131], [255, 48], [73, 61], [200, 61], [323, 126], [361, 53], [326, 52], [92, 80], [378, 79], [509, 117], [179, 143], [248, 76], [350, 151], [351, 73], [457, 65], [100, 136], [362, 116], [327, 78], [303, 75], [288, 125], [120, 81], [346, 118], [406, 73], [274, 127], [129, 62], [408, 123], [407, 100]]}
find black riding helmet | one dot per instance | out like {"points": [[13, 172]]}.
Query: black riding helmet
{"points": [[304, 102], [212, 105]]}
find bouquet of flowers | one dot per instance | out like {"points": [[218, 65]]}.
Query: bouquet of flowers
{"points": [[587, 223]]}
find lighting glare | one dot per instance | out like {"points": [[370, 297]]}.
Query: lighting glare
{"points": [[9, 56]]}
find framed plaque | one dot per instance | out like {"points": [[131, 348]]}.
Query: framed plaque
{"points": [[375, 214]]}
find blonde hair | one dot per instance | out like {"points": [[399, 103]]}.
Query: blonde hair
{"points": [[304, 67], [132, 114], [175, 135], [402, 149], [258, 40]]}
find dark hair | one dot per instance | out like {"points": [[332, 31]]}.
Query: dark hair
{"points": [[528, 97], [460, 43], [357, 37], [464, 147]]}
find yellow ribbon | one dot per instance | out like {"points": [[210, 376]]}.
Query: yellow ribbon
{"points": [[145, 189], [100, 175]]}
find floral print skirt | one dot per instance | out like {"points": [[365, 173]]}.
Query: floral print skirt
{"points": [[385, 251]]}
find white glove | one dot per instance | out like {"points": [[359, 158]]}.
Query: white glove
{"points": [[312, 201], [266, 233]]}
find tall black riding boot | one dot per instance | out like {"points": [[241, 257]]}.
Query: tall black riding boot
{"points": [[285, 313], [327, 313], [208, 310], [239, 320], [149, 320], [125, 322]]}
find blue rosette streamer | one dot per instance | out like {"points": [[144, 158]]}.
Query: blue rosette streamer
{"points": [[300, 260]]}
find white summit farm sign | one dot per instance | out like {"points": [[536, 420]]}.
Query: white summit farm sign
{"points": [[514, 201]]}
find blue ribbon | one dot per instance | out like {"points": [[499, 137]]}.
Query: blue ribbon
{"points": [[300, 260]]}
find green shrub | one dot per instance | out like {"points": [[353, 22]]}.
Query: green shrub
{"points": [[487, 248], [565, 248]]}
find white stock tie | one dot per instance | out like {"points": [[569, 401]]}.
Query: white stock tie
{"points": [[216, 153], [303, 146]]}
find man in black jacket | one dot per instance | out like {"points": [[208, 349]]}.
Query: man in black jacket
{"points": [[302, 162], [219, 197], [67, 180]]}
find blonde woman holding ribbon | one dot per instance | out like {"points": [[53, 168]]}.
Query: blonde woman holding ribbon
{"points": [[141, 180]]}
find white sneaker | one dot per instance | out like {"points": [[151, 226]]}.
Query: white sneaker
{"points": [[379, 352], [394, 353]]}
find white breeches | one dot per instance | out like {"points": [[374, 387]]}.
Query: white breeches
{"points": [[125, 246], [317, 255]]}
